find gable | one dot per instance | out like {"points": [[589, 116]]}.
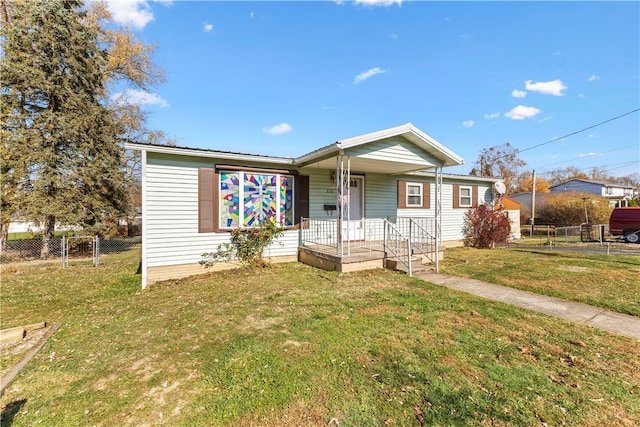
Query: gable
{"points": [[394, 150]]}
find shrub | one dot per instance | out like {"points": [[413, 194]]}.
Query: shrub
{"points": [[246, 245], [567, 209], [483, 227]]}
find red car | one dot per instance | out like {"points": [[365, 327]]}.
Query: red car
{"points": [[626, 222]]}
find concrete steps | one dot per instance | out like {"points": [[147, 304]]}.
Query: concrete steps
{"points": [[416, 265]]}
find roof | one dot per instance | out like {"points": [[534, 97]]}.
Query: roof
{"points": [[202, 152], [508, 204], [407, 131], [602, 183], [423, 152]]}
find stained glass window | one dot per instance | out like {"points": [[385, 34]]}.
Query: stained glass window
{"points": [[247, 199], [286, 200], [229, 199]]}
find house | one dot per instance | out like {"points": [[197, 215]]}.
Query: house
{"points": [[345, 206], [617, 194]]}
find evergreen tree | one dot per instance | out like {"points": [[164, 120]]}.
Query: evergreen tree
{"points": [[52, 83]]}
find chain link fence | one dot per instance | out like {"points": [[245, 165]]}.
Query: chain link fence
{"points": [[66, 249], [584, 233]]}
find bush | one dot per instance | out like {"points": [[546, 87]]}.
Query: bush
{"points": [[246, 245], [484, 227], [567, 209]]}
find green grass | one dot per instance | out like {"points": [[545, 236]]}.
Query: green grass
{"points": [[607, 281], [293, 345]]}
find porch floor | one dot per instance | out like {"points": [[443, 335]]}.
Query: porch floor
{"points": [[326, 258], [359, 258]]}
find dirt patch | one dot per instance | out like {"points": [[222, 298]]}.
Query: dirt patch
{"points": [[11, 351], [574, 269], [381, 309], [257, 323]]}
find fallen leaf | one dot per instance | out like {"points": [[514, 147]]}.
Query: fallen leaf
{"points": [[419, 415]]}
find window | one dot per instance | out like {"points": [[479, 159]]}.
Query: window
{"points": [[414, 195], [232, 197], [465, 196], [246, 199]]}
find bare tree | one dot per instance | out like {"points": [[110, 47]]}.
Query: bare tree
{"points": [[499, 162]]}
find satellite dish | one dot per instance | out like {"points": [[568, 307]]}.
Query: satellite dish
{"points": [[500, 187]]}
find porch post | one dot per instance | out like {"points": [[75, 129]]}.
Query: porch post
{"points": [[338, 204], [347, 187], [438, 224]]}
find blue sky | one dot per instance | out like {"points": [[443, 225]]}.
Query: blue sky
{"points": [[285, 78]]}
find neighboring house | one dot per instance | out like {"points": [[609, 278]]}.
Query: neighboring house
{"points": [[616, 193], [345, 206], [17, 226], [511, 209]]}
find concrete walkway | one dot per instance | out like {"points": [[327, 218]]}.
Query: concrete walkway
{"points": [[622, 324]]}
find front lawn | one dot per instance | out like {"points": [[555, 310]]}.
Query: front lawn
{"points": [[292, 345], [607, 281]]}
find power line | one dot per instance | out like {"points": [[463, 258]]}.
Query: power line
{"points": [[581, 130], [604, 168], [587, 156]]}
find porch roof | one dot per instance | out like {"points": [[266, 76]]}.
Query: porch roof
{"points": [[383, 152]]}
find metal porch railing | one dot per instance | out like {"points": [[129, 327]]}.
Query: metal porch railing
{"points": [[417, 234]]}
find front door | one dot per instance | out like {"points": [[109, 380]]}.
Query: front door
{"points": [[353, 229]]}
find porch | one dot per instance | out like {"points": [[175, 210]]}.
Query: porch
{"points": [[406, 244]]}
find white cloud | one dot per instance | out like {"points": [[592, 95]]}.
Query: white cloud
{"points": [[207, 27], [368, 74], [592, 154], [492, 116], [521, 112], [280, 129], [139, 97], [518, 93], [553, 87], [593, 77], [385, 3], [131, 13], [468, 123]]}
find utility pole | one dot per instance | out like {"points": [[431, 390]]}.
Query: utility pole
{"points": [[586, 214], [533, 201]]}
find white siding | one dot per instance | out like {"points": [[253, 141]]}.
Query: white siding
{"points": [[381, 195], [172, 208], [172, 215], [322, 191], [396, 150]]}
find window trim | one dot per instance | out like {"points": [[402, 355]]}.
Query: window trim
{"points": [[421, 194], [241, 197], [209, 196], [461, 197]]}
